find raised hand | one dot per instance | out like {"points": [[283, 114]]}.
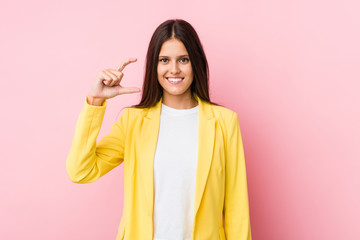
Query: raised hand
{"points": [[107, 84]]}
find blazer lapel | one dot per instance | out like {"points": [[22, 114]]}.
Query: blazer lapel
{"points": [[147, 148], [148, 142], [206, 140]]}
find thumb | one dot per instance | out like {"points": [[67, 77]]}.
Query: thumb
{"points": [[125, 90]]}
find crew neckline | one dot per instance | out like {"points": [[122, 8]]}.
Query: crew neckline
{"points": [[173, 111]]}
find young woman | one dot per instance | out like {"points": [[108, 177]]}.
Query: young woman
{"points": [[184, 166]]}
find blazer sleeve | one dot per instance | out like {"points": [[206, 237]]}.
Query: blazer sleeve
{"points": [[88, 160], [236, 207]]}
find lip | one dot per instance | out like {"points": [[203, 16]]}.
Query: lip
{"points": [[174, 83]]}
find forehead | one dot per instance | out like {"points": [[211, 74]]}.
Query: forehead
{"points": [[173, 47]]}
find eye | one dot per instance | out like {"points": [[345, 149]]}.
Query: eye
{"points": [[164, 60], [184, 60]]}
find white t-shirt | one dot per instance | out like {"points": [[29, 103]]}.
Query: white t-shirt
{"points": [[174, 173]]}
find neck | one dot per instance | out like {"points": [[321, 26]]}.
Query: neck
{"points": [[180, 102]]}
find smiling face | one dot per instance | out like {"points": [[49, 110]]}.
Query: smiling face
{"points": [[174, 71]]}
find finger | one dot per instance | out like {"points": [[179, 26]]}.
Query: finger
{"points": [[112, 74], [118, 76], [107, 78], [107, 82], [115, 79], [125, 90], [117, 73], [125, 63]]}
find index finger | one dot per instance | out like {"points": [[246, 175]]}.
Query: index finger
{"points": [[123, 65]]}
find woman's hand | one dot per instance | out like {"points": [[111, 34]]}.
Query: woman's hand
{"points": [[107, 84]]}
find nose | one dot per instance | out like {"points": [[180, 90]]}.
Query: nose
{"points": [[174, 69]]}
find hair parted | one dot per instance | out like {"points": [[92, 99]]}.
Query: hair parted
{"points": [[183, 31]]}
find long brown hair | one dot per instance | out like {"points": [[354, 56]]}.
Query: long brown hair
{"points": [[183, 31]]}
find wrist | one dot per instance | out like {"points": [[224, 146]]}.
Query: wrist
{"points": [[94, 100]]}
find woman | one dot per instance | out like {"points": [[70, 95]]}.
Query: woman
{"points": [[184, 166]]}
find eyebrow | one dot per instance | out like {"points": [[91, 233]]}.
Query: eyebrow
{"points": [[177, 56]]}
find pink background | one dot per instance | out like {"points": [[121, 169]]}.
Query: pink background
{"points": [[290, 69]]}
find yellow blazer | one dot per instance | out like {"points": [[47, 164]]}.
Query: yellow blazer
{"points": [[221, 185]]}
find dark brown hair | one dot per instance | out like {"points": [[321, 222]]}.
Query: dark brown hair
{"points": [[183, 31]]}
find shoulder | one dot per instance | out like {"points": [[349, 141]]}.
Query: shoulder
{"points": [[223, 113], [226, 118]]}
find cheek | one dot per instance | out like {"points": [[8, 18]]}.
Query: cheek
{"points": [[160, 71]]}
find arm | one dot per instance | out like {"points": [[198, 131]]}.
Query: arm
{"points": [[87, 160], [236, 208]]}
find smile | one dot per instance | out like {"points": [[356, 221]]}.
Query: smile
{"points": [[174, 80]]}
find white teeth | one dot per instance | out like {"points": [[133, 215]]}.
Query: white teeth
{"points": [[174, 79]]}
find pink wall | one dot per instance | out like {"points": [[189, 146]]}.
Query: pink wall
{"points": [[289, 68]]}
